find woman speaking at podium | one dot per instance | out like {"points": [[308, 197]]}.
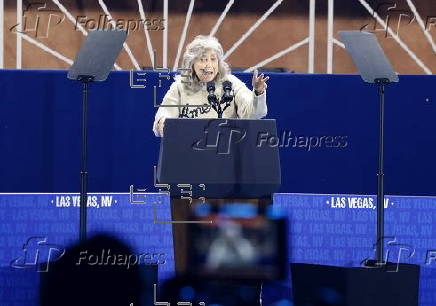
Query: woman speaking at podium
{"points": [[204, 59]]}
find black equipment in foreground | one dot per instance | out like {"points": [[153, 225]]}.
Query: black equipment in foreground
{"points": [[94, 61], [361, 286]]}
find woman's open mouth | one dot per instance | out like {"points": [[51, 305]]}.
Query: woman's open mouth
{"points": [[207, 72]]}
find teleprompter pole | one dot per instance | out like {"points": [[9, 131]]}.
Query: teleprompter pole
{"points": [[85, 80]]}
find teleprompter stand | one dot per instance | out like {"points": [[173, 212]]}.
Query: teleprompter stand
{"points": [[378, 282], [375, 68], [94, 61]]}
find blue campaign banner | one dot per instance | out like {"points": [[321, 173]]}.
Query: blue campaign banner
{"points": [[323, 229], [341, 230], [36, 228]]}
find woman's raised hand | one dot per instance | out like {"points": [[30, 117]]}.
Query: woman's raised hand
{"points": [[259, 82]]}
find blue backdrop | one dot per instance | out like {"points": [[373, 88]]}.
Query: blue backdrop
{"points": [[40, 132], [333, 120]]}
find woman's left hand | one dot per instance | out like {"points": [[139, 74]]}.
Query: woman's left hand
{"points": [[259, 82]]}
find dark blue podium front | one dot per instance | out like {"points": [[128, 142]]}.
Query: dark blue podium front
{"points": [[220, 158]]}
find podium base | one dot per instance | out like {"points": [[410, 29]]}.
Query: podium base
{"points": [[392, 284]]}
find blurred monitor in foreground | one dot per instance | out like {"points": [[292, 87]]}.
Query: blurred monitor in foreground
{"points": [[237, 244], [230, 257]]}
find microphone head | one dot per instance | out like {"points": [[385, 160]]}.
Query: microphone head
{"points": [[210, 86], [227, 85]]}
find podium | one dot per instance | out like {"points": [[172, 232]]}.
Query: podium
{"points": [[233, 158], [216, 161]]}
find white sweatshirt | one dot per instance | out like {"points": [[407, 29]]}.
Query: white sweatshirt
{"points": [[244, 105]]}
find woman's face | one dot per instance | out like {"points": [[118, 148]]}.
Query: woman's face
{"points": [[206, 66]]}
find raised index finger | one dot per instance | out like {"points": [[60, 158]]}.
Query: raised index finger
{"points": [[255, 75]]}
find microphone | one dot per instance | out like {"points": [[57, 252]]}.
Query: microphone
{"points": [[210, 87], [227, 88], [211, 90]]}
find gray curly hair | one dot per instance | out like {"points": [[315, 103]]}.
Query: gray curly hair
{"points": [[194, 51]]}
